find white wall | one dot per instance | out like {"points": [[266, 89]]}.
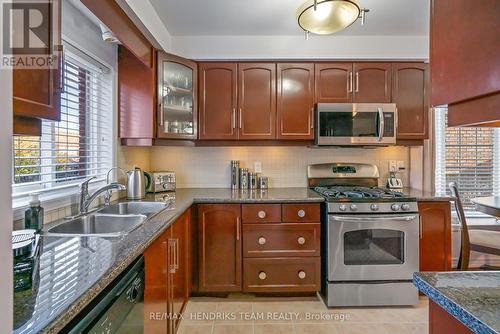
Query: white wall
{"points": [[296, 47], [5, 200], [284, 165]]}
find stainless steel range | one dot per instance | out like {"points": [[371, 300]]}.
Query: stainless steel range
{"points": [[370, 237]]}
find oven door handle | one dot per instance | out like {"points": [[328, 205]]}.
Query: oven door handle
{"points": [[375, 219], [381, 124]]}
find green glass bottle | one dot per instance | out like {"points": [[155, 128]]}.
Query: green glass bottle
{"points": [[33, 217]]}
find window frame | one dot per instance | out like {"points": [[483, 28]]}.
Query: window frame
{"points": [[439, 117], [66, 194]]}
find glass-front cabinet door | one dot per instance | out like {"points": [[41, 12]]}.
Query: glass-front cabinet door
{"points": [[177, 82]]}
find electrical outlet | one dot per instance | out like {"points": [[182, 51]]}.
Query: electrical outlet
{"points": [[393, 166], [401, 165], [257, 166]]}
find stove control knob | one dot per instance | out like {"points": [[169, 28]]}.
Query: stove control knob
{"points": [[354, 207], [374, 207], [405, 207], [395, 207], [342, 207]]}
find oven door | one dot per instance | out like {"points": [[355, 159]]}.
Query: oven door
{"points": [[356, 124], [372, 247]]}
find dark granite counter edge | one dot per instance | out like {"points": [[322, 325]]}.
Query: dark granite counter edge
{"points": [[454, 309], [60, 321]]}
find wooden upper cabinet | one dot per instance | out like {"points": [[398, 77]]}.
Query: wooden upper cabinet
{"points": [[217, 101], [136, 96], [469, 83], [220, 247], [295, 102], [257, 100], [37, 92], [372, 82], [333, 82], [409, 92], [177, 97], [435, 236]]}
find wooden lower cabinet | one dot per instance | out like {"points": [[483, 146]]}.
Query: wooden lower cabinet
{"points": [[167, 277], [441, 321], [219, 251], [281, 274], [435, 236]]}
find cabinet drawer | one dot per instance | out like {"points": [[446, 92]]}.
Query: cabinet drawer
{"points": [[281, 274], [296, 213], [273, 240], [257, 213]]}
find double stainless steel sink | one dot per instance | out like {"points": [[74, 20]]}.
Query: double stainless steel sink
{"points": [[111, 221]]}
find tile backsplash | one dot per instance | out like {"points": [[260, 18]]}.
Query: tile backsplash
{"points": [[284, 165]]}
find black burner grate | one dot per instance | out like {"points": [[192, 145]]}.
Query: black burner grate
{"points": [[339, 192]]}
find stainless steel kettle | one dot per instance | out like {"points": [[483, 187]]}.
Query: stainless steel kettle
{"points": [[137, 182]]}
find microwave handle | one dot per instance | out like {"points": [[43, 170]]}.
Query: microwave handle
{"points": [[381, 124]]}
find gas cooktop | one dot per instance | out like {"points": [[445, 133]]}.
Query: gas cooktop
{"points": [[357, 193]]}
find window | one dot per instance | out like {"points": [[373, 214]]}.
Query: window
{"points": [[78, 146], [468, 156]]}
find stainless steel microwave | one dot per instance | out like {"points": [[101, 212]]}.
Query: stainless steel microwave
{"points": [[355, 124]]}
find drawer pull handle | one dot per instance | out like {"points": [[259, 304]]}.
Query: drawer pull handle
{"points": [[261, 214], [301, 240], [262, 275], [302, 274], [301, 213], [262, 241]]}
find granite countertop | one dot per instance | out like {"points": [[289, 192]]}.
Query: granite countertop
{"points": [[74, 270], [422, 195], [472, 297]]}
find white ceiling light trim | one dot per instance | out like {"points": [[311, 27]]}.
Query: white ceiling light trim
{"points": [[325, 17]]}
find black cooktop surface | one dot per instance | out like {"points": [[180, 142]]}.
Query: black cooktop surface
{"points": [[352, 193]]}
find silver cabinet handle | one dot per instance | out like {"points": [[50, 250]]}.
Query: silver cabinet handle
{"points": [[166, 248], [312, 118], [233, 119], [302, 274], [349, 83], [176, 254], [301, 213], [262, 275], [420, 227], [357, 82], [261, 214], [161, 114], [262, 241], [239, 118], [238, 228], [381, 124], [301, 240]]}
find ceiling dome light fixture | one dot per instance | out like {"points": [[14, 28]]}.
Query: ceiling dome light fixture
{"points": [[324, 17]]}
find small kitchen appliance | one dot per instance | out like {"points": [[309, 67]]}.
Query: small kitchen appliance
{"points": [[161, 181], [394, 182], [137, 183], [346, 124], [370, 237]]}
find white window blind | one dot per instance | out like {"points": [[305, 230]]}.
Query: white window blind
{"points": [[468, 156], [80, 144]]}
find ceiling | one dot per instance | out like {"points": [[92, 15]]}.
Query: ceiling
{"points": [[277, 17]]}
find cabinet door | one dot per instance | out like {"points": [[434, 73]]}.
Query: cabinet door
{"points": [[157, 277], [296, 101], [409, 92], [37, 92], [218, 84], [180, 278], [435, 236], [136, 95], [177, 95], [219, 228], [333, 82], [257, 100], [372, 82]]}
